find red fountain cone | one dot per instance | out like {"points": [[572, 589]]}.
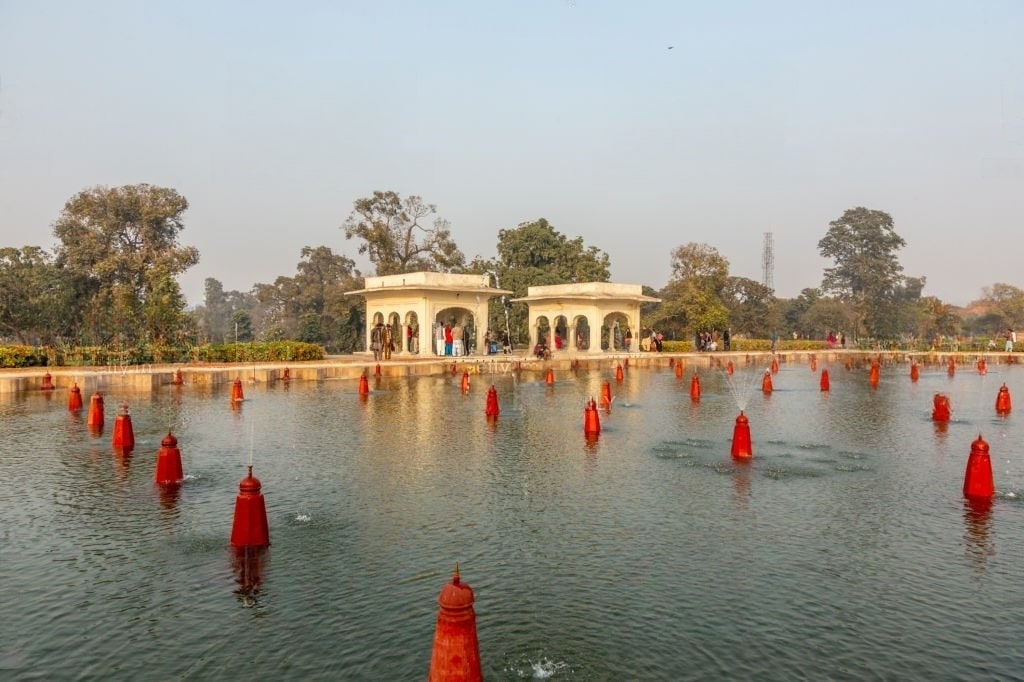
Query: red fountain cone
{"points": [[982, 367], [250, 527], [454, 369], [47, 383], [814, 364], [124, 437], [376, 370], [168, 462], [456, 653], [775, 364], [626, 363], [237, 395], [95, 419], [671, 362], [1003, 403], [951, 369], [618, 374], [287, 374], [978, 481], [75, 399], [874, 375], [915, 371], [465, 382], [766, 382], [492, 409], [741, 447], [364, 384], [825, 385], [591, 419], [178, 379], [941, 408], [606, 395], [679, 370], [695, 388], [549, 377], [729, 369]]}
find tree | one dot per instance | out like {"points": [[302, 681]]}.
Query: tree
{"points": [[37, 299], [1007, 303], [322, 278], [751, 306], [863, 244], [692, 299], [123, 242], [217, 311], [396, 240], [534, 254]]}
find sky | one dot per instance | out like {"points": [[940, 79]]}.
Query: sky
{"points": [[639, 126]]}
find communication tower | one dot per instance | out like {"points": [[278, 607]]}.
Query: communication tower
{"points": [[768, 262]]}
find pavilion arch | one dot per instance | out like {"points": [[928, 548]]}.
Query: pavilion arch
{"points": [[541, 331], [581, 337], [588, 306], [613, 330], [559, 337], [412, 331], [458, 315], [418, 300]]}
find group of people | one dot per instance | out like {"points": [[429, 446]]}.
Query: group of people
{"points": [[708, 340], [382, 342], [449, 339], [834, 341]]}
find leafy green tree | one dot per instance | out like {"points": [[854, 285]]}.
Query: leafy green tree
{"points": [[289, 308], [397, 238], [863, 245], [1007, 304], [825, 314], [38, 300], [123, 242], [937, 319], [241, 322], [217, 311], [692, 298], [322, 277], [751, 306], [535, 254]]}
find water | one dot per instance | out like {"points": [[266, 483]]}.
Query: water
{"points": [[843, 550]]}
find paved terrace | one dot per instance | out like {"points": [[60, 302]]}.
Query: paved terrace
{"points": [[149, 377]]}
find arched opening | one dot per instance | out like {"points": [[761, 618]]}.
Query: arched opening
{"points": [[560, 337], [455, 332], [613, 331], [542, 333], [582, 332], [412, 333]]}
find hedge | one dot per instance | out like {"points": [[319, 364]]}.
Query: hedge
{"points": [[145, 354]]}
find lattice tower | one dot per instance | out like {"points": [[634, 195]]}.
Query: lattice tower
{"points": [[768, 262]]}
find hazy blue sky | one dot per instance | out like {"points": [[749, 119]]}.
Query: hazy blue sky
{"points": [[272, 118]]}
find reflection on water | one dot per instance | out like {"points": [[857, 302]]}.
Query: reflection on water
{"points": [[842, 550]]}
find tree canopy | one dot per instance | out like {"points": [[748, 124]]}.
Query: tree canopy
{"points": [[535, 253], [863, 245], [692, 299], [122, 243], [395, 235]]}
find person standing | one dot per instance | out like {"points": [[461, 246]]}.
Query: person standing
{"points": [[439, 339], [376, 340], [458, 348], [726, 339], [447, 340], [1011, 338], [387, 343]]}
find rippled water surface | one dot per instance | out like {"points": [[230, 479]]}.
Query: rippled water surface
{"points": [[844, 550]]}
